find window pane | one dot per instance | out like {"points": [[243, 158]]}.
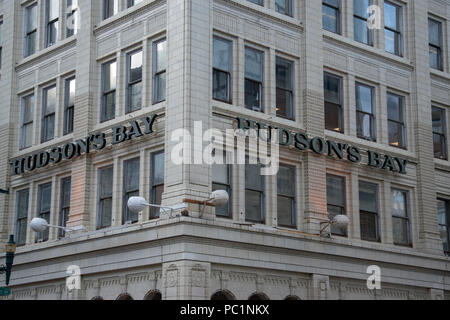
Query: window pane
{"points": [[361, 31], [368, 197], [335, 190], [110, 74], [364, 126], [334, 211], [53, 10], [32, 17], [444, 233], [284, 74], [254, 64], [106, 211], [442, 213], [332, 87], [253, 95], [333, 117], [440, 147], [360, 7], [131, 174], [364, 98], [253, 178], [285, 104], [106, 182], [28, 135], [221, 210], [395, 108], [160, 87], [220, 173], [158, 169], [284, 6], [391, 16], [50, 99], [400, 227], [369, 226], [28, 107], [161, 55], [45, 195], [399, 204], [220, 85], [222, 54], [285, 211], [435, 58], [109, 106], [330, 19], [434, 32], [396, 135], [135, 96], [70, 93], [286, 181], [48, 130], [438, 116], [253, 206], [22, 204], [135, 72]]}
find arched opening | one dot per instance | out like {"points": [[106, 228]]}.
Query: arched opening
{"points": [[153, 295], [124, 297], [258, 297], [288, 298], [223, 295], [97, 299]]}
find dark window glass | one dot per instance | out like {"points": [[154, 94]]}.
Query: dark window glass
{"points": [[65, 204], [444, 223], [393, 33], [435, 44], [109, 75], [368, 206], [254, 75], [396, 120], [284, 7], [22, 217], [30, 30], [43, 209], [254, 194], [159, 71], [157, 182], [331, 15], [439, 133], [134, 81], [52, 17], [362, 32], [110, 8], [221, 180], [105, 188], [400, 218], [285, 88], [131, 170], [336, 201], [27, 133], [286, 197], [365, 112], [69, 105], [333, 103], [48, 114], [72, 18], [222, 67]]}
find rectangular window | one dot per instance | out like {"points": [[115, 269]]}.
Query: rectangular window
{"points": [[254, 194], [435, 44], [254, 77], [69, 105], [1, 42], [72, 18], [284, 7], [285, 88], [51, 20], [400, 218], [22, 216], [336, 201], [393, 28], [48, 114], [134, 81], [365, 112], [360, 15], [109, 78], [157, 182], [439, 133], [331, 20], [221, 180], [396, 120], [444, 223], [132, 3], [286, 197], [105, 189], [30, 30], [44, 208], [159, 70], [131, 169], [26, 130], [64, 204], [368, 211], [334, 118], [222, 68], [110, 8], [259, 2]]}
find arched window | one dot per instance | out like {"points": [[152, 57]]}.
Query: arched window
{"points": [[292, 298], [223, 295], [153, 295], [124, 296], [258, 297]]}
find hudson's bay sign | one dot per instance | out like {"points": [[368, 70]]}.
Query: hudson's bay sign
{"points": [[319, 145]]}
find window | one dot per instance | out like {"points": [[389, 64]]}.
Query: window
{"points": [[109, 78], [48, 114], [254, 194], [286, 197], [254, 75], [52, 17], [30, 30], [64, 204], [396, 120], [259, 2], [365, 112], [439, 133], [221, 180], [131, 170], [333, 103], [159, 71], [285, 88], [392, 28], [331, 15], [69, 105], [336, 201], [284, 7], [1, 42], [222, 68], [134, 81], [22, 216], [72, 17], [400, 218], [110, 8], [368, 211], [157, 182], [360, 15], [43, 208], [435, 43], [444, 223], [133, 2], [26, 130], [105, 189]]}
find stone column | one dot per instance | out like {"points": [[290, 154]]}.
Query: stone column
{"points": [[320, 286]]}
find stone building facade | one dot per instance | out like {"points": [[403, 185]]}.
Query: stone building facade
{"points": [[73, 69]]}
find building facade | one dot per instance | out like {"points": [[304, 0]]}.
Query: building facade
{"points": [[92, 93]]}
